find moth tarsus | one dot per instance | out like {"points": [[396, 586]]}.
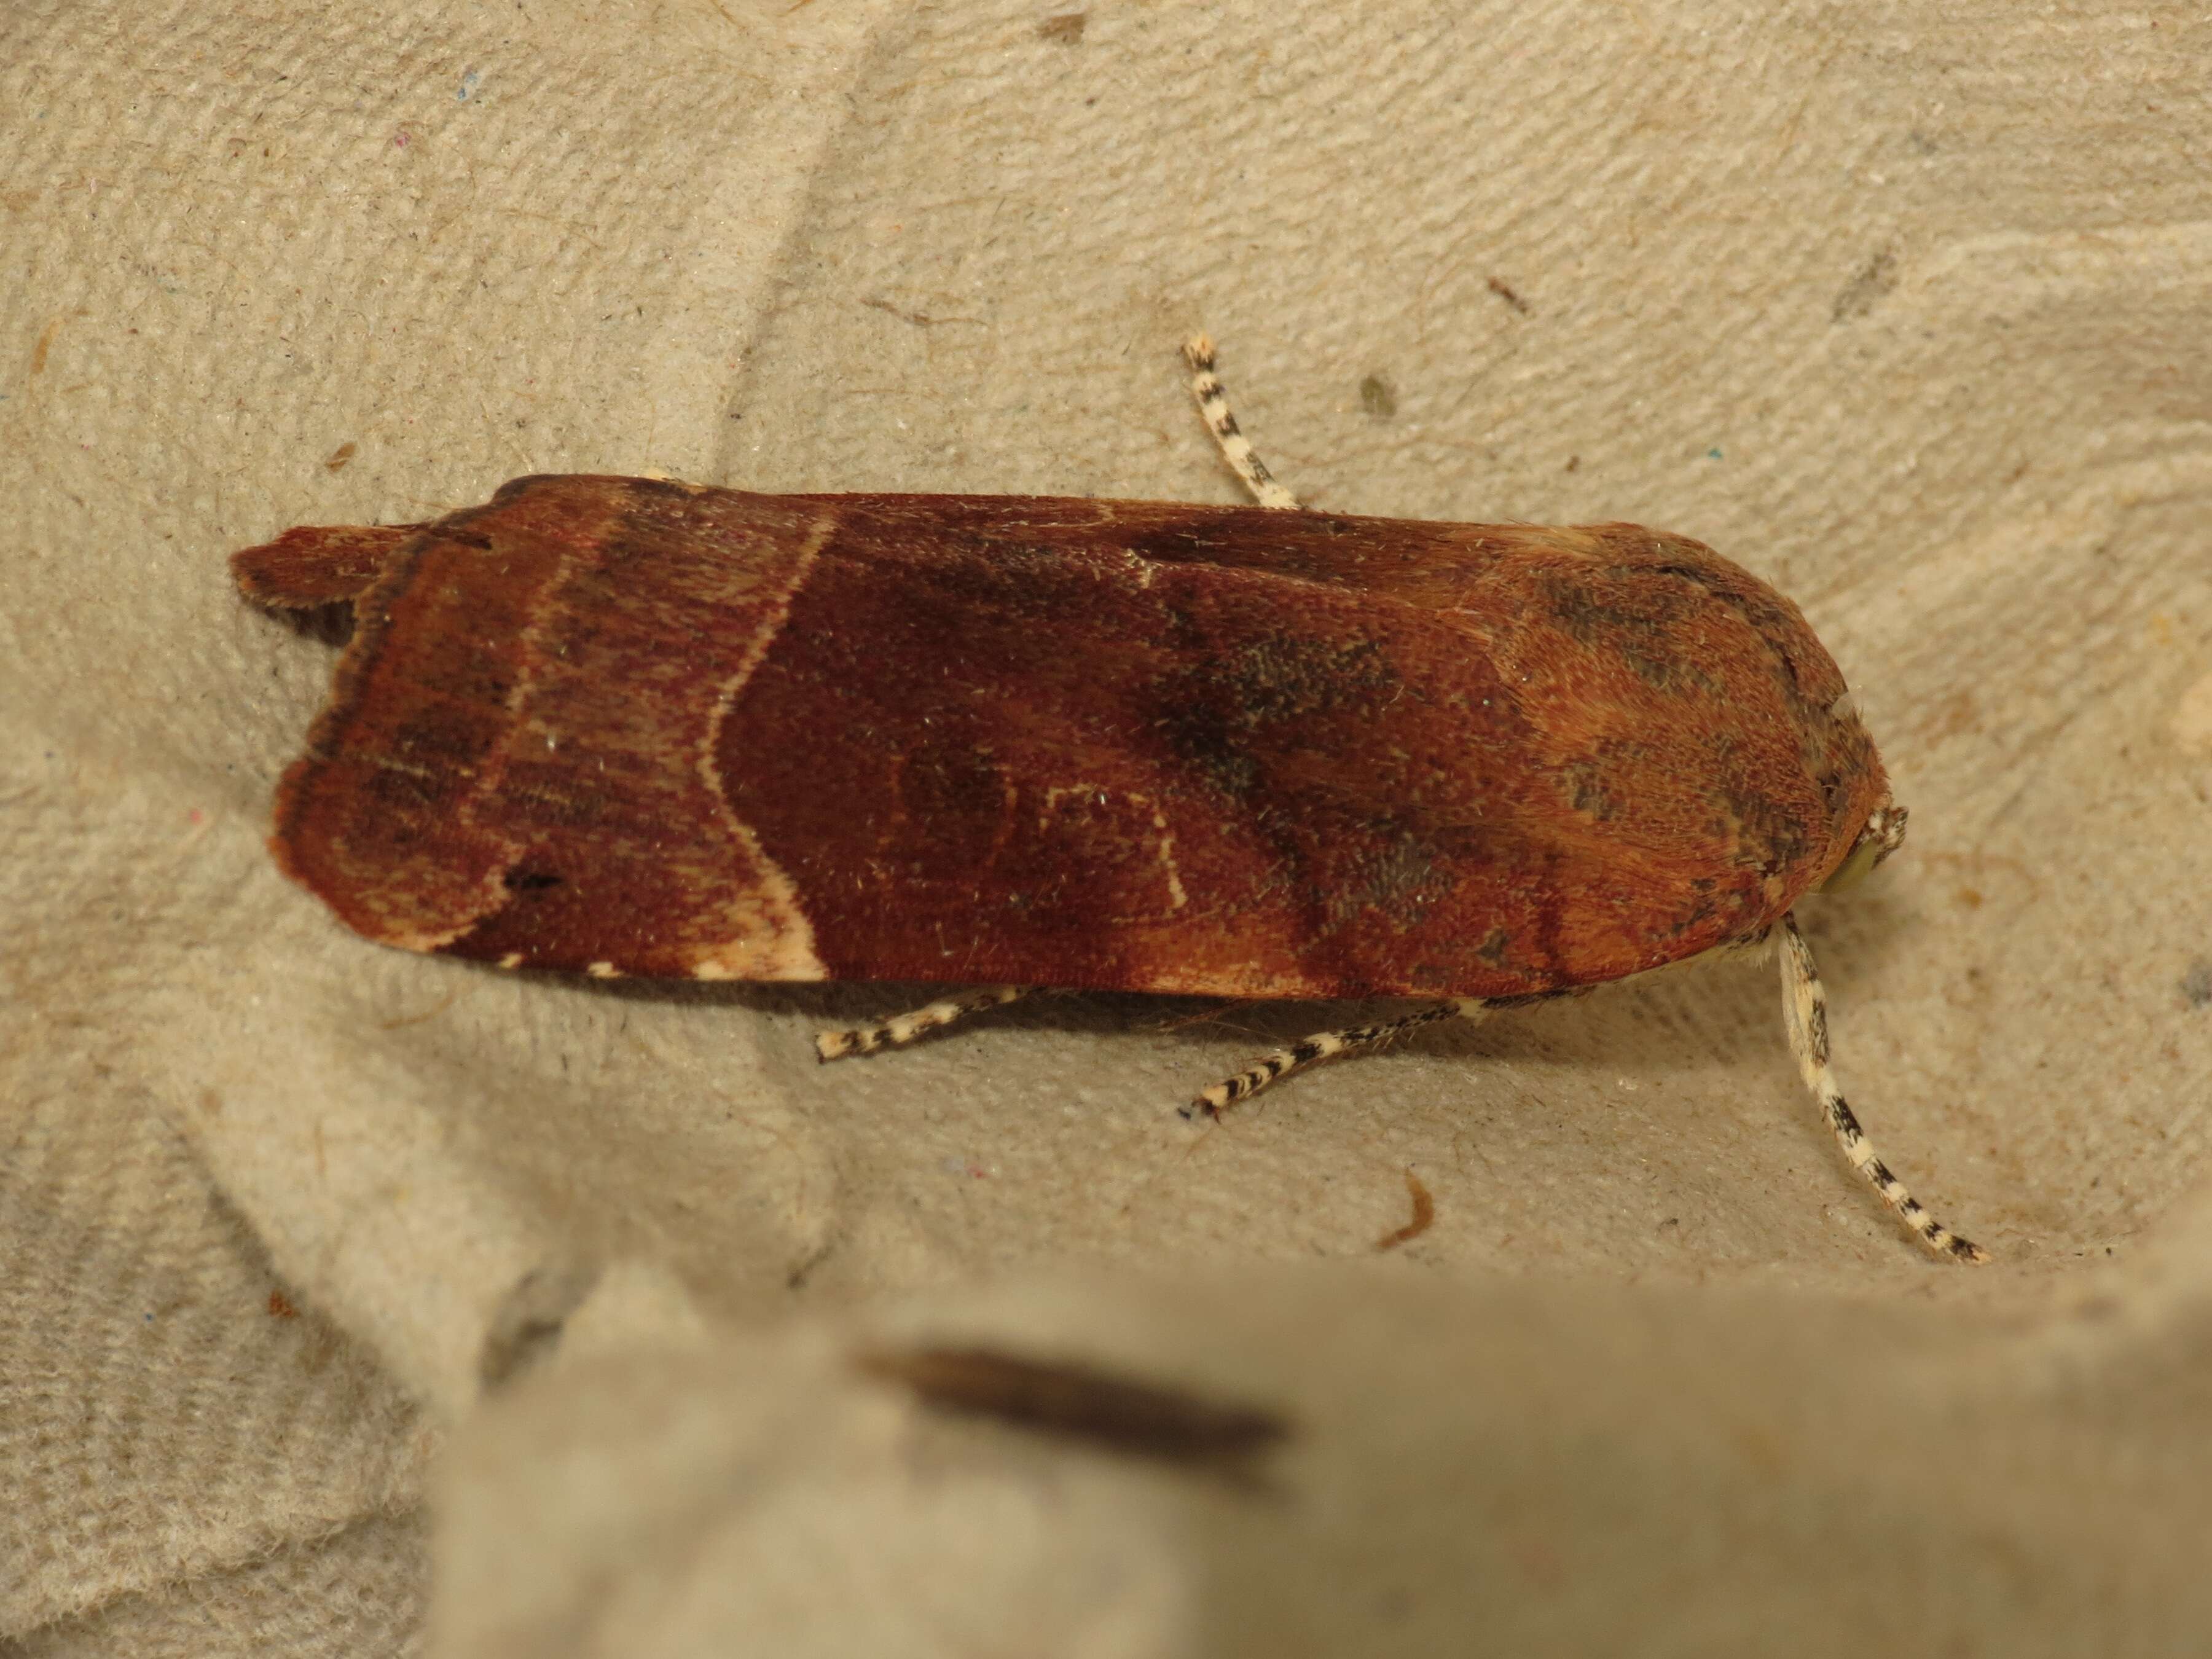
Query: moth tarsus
{"points": [[916, 1023]]}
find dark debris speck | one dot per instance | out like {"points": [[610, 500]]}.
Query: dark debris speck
{"points": [[2197, 984]]}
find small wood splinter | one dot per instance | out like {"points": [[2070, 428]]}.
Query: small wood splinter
{"points": [[1082, 1402], [629, 727]]}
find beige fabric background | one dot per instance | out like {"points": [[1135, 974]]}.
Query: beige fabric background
{"points": [[323, 1262]]}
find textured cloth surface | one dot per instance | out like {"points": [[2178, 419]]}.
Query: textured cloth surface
{"points": [[1903, 306]]}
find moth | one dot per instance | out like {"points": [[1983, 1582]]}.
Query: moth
{"points": [[636, 726]]}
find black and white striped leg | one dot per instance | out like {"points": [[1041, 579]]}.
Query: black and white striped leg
{"points": [[895, 1033], [1804, 1007], [1326, 1045], [1236, 448]]}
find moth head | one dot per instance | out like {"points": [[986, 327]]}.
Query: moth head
{"points": [[1882, 835]]}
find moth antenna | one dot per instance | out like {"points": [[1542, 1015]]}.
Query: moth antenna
{"points": [[935, 1016], [1236, 449], [1805, 1008]]}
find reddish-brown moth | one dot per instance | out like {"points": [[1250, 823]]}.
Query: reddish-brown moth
{"points": [[626, 725]]}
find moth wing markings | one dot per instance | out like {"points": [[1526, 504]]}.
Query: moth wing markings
{"points": [[788, 952], [733, 912], [418, 908], [1453, 586]]}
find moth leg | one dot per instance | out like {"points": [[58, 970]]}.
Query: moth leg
{"points": [[1805, 1008], [1326, 1045], [897, 1033], [1236, 448]]}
